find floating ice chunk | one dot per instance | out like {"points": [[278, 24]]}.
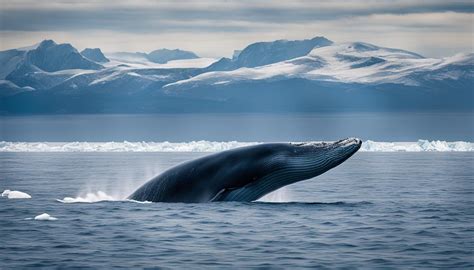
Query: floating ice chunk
{"points": [[89, 198], [45, 216], [15, 194]]}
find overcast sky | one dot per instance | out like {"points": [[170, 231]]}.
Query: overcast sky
{"points": [[215, 28]]}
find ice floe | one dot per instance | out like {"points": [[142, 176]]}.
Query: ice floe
{"points": [[45, 216], [15, 194]]}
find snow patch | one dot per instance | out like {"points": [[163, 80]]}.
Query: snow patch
{"points": [[136, 61], [189, 63]]}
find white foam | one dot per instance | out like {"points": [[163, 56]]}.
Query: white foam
{"points": [[93, 197], [90, 197], [134, 201], [45, 216], [278, 196], [15, 194], [211, 146]]}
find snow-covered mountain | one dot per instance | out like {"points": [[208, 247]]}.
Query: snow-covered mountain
{"points": [[42, 66], [50, 57], [9, 60], [264, 53], [162, 56], [306, 75], [95, 54], [347, 63]]}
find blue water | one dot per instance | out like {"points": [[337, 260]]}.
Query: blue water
{"points": [[377, 210], [240, 127]]}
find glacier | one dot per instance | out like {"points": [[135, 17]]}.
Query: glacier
{"points": [[213, 146]]}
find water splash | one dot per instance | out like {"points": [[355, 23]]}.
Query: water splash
{"points": [[90, 197], [279, 196]]}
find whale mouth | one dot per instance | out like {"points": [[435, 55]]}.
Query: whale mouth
{"points": [[349, 145], [349, 142]]}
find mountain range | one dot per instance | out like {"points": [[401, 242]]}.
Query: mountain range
{"points": [[312, 75]]}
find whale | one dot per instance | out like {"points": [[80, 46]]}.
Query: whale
{"points": [[245, 174]]}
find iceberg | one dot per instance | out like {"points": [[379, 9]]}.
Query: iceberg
{"points": [[15, 194], [45, 216]]}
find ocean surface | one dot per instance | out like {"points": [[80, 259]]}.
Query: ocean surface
{"points": [[377, 210], [388, 127], [403, 202]]}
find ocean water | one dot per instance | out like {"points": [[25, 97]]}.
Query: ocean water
{"points": [[404, 201], [388, 127], [377, 210]]}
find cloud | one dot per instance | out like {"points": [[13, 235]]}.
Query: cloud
{"points": [[215, 28]]}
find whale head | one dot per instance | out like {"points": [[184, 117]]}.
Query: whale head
{"points": [[286, 163], [316, 158]]}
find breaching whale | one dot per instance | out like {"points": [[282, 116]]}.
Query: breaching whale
{"points": [[245, 173]]}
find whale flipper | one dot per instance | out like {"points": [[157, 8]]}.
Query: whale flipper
{"points": [[223, 193]]}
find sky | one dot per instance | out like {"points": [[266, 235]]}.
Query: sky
{"points": [[212, 28]]}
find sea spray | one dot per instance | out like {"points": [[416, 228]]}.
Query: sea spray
{"points": [[278, 196], [90, 197]]}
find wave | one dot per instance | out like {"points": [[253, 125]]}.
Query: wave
{"points": [[210, 146], [336, 203], [281, 196]]}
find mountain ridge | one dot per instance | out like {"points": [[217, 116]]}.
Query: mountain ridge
{"points": [[280, 76], [95, 54]]}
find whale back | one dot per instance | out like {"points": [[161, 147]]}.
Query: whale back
{"points": [[200, 180]]}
